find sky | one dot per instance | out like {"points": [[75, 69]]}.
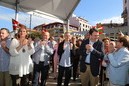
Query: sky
{"points": [[94, 11]]}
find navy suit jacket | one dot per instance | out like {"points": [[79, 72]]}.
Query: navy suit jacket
{"points": [[95, 57]]}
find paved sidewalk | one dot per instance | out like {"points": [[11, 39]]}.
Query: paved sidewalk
{"points": [[53, 82]]}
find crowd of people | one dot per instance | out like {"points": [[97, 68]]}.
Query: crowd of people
{"points": [[93, 60]]}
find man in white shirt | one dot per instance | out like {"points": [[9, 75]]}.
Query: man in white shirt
{"points": [[41, 60], [65, 60], [91, 51]]}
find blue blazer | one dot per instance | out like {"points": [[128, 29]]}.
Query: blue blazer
{"points": [[118, 67], [38, 51]]}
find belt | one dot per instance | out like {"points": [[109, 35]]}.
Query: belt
{"points": [[87, 63], [41, 61]]}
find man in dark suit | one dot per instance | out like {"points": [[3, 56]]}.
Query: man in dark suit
{"points": [[91, 51], [65, 52]]}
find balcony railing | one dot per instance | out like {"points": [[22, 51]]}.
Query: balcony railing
{"points": [[124, 13]]}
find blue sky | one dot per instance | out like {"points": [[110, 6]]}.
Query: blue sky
{"points": [[99, 10], [95, 11]]}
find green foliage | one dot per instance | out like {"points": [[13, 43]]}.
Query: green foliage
{"points": [[34, 35]]}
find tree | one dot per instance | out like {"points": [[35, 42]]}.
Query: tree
{"points": [[35, 34]]}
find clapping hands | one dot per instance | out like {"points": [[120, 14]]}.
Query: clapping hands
{"points": [[30, 41], [88, 48], [26, 42], [3, 44], [44, 42], [23, 42]]}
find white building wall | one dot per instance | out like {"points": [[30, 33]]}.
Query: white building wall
{"points": [[128, 10], [126, 5], [81, 23], [84, 26]]}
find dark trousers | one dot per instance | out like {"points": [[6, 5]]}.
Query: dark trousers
{"points": [[40, 68], [52, 61], [102, 75], [23, 82], [61, 71], [75, 68]]}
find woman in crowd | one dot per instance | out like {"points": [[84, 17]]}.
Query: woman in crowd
{"points": [[106, 42], [21, 64], [76, 58], [119, 63], [52, 43], [56, 57], [105, 62]]}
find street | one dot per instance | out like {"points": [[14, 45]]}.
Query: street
{"points": [[52, 82]]}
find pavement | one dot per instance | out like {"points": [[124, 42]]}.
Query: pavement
{"points": [[53, 82]]}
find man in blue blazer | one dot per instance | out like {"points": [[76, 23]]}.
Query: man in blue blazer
{"points": [[41, 59], [91, 51]]}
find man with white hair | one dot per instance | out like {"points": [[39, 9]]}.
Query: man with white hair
{"points": [[41, 59]]}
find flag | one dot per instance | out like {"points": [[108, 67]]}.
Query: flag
{"points": [[15, 24], [100, 29], [94, 27]]}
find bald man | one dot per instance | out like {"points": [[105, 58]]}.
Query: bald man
{"points": [[41, 59]]}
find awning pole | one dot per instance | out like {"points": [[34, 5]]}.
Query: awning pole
{"points": [[16, 14], [16, 11], [67, 29], [30, 20]]}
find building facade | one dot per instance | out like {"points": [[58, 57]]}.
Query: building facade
{"points": [[79, 22], [57, 29], [125, 13], [77, 27], [112, 32]]}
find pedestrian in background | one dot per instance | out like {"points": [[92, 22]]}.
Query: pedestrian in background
{"points": [[5, 79], [56, 57]]}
